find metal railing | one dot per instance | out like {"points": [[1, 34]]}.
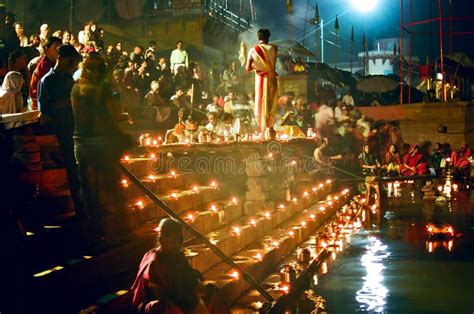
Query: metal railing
{"points": [[214, 10]]}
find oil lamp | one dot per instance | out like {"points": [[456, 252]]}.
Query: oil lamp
{"points": [[236, 230], [234, 274], [139, 204]]}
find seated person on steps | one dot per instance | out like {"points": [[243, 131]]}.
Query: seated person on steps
{"points": [[166, 283]]}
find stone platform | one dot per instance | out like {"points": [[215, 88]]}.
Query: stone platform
{"points": [[419, 122]]}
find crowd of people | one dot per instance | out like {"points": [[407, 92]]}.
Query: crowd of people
{"points": [[84, 89]]}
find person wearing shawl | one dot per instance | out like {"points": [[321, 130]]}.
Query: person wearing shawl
{"points": [[166, 283], [393, 160], [413, 163], [368, 161], [460, 158], [11, 100], [262, 60]]}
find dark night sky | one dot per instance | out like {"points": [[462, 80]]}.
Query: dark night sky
{"points": [[383, 22]]}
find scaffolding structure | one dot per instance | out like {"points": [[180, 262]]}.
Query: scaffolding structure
{"points": [[408, 28]]}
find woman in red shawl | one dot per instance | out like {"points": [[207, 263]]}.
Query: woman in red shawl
{"points": [[413, 163], [460, 158]]}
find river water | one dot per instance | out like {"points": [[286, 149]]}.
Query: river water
{"points": [[393, 267]]}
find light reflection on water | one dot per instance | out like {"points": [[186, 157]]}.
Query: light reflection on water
{"points": [[373, 295]]}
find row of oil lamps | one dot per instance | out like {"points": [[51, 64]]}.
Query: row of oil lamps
{"points": [[147, 139], [332, 237]]}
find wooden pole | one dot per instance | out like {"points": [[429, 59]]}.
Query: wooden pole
{"points": [[401, 51], [305, 21], [410, 55], [441, 52], [71, 14]]}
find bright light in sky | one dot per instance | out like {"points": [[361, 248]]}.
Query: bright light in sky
{"points": [[364, 5]]}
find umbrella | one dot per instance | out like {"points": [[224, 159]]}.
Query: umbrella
{"points": [[322, 71], [377, 84], [461, 58], [293, 47]]}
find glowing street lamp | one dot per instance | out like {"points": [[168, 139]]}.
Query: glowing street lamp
{"points": [[364, 6]]}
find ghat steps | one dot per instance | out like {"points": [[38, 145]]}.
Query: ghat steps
{"points": [[66, 277]]}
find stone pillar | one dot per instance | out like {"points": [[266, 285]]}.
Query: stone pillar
{"points": [[266, 184]]}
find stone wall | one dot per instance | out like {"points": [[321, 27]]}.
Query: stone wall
{"points": [[419, 122]]}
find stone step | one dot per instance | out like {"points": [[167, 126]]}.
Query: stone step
{"points": [[327, 241], [247, 229], [258, 258], [57, 243], [87, 274], [142, 209]]}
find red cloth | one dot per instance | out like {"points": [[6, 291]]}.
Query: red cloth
{"points": [[141, 281], [424, 71], [460, 159], [413, 160], [43, 67]]}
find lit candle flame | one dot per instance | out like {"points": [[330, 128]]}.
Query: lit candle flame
{"points": [[253, 222], [126, 158], [139, 204], [236, 230], [152, 177], [213, 184], [234, 200], [173, 173], [312, 216], [234, 274], [303, 224], [291, 233], [258, 256], [305, 194], [195, 189], [174, 196], [285, 288], [214, 208], [152, 156], [124, 182], [281, 206], [267, 215]]}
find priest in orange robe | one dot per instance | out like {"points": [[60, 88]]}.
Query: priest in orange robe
{"points": [[262, 60]]}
